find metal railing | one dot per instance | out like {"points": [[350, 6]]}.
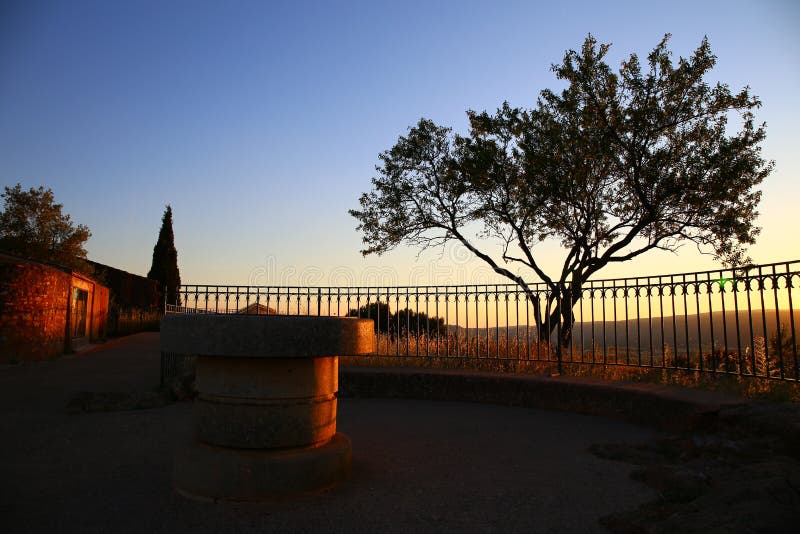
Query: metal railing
{"points": [[733, 321]]}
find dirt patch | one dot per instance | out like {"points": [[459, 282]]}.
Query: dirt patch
{"points": [[740, 475]]}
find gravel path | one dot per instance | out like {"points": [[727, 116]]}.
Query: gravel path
{"points": [[417, 466]]}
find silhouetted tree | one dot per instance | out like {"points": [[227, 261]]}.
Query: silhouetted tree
{"points": [[378, 311], [165, 261], [615, 165], [400, 323], [33, 226], [416, 323]]}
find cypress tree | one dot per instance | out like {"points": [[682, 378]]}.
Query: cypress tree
{"points": [[165, 261]]}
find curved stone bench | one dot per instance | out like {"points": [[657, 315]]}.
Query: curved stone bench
{"points": [[664, 407], [265, 414]]}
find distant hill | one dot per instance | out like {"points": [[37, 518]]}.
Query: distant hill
{"points": [[673, 333]]}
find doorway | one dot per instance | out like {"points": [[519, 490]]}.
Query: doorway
{"points": [[78, 319]]}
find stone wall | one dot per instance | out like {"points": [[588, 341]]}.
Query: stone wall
{"points": [[33, 310], [130, 291], [35, 300], [134, 303], [99, 321]]}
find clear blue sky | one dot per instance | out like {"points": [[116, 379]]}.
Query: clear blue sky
{"points": [[261, 122]]}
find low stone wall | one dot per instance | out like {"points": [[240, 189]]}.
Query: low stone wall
{"points": [[665, 407], [124, 322]]}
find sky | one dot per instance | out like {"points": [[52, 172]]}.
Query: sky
{"points": [[261, 123]]}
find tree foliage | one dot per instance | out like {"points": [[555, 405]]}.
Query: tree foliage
{"points": [[405, 321], [33, 226], [419, 323], [613, 166], [377, 311], [165, 260]]}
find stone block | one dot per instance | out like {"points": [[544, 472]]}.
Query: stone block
{"points": [[215, 473], [265, 425], [265, 414], [271, 336]]}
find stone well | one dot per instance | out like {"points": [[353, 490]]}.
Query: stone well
{"points": [[265, 414]]}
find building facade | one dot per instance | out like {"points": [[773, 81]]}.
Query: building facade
{"points": [[46, 310]]}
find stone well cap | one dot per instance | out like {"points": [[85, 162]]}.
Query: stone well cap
{"points": [[266, 336]]}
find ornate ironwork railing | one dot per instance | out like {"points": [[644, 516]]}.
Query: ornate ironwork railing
{"points": [[735, 321]]}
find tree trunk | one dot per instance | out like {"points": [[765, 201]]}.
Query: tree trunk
{"points": [[559, 316]]}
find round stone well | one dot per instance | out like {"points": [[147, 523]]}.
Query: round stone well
{"points": [[265, 413]]}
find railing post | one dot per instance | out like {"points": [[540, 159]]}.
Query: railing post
{"points": [[558, 333], [774, 360]]}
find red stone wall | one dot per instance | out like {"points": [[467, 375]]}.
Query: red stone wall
{"points": [[33, 310], [99, 313]]}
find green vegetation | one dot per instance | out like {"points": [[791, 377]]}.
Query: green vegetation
{"points": [[165, 261], [615, 165], [32, 225]]}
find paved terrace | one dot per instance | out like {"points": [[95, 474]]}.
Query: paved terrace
{"points": [[418, 465]]}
